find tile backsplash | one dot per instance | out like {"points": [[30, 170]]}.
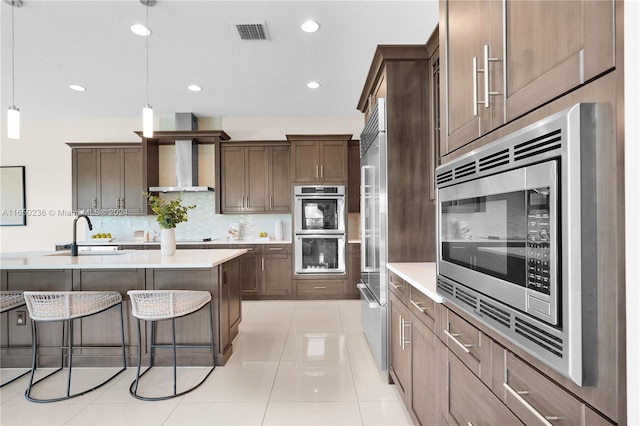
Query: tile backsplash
{"points": [[202, 223]]}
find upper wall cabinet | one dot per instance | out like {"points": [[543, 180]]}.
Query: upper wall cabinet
{"points": [[353, 187], [255, 178], [319, 158], [107, 179], [503, 59], [553, 47]]}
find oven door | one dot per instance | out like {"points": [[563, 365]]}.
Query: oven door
{"points": [[319, 214], [320, 254], [499, 235]]}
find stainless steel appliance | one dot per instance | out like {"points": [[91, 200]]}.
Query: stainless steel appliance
{"points": [[373, 233], [319, 209], [320, 254], [517, 236], [319, 218]]}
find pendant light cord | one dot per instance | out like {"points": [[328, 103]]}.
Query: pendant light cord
{"points": [[147, 40], [13, 60]]}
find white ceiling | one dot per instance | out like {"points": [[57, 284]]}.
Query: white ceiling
{"points": [[58, 43]]}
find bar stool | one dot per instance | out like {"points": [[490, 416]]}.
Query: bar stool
{"points": [[10, 300], [52, 306], [158, 305]]}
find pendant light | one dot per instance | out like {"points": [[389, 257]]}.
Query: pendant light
{"points": [[13, 113], [147, 111]]}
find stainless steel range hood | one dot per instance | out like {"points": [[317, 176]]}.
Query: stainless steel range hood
{"points": [[186, 159]]}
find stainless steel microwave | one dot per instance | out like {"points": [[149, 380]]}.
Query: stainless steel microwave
{"points": [[517, 235]]}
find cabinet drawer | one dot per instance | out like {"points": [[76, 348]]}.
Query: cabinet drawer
{"points": [[470, 344], [469, 402], [319, 287], [276, 248], [537, 400], [398, 286], [424, 308]]}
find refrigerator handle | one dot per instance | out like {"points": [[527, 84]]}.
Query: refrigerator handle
{"points": [[366, 192], [363, 291]]}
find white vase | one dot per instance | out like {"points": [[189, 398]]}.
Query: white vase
{"points": [[168, 242]]}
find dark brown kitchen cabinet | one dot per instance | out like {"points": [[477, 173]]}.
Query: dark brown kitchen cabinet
{"points": [[471, 35], [319, 158], [353, 269], [423, 402], [353, 187], [250, 277], [466, 400], [106, 180], [400, 346], [276, 270], [255, 178], [575, 46]]}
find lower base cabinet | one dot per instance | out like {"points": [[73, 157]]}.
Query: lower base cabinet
{"points": [[423, 403], [276, 272]]}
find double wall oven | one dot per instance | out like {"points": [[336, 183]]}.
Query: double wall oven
{"points": [[517, 237], [319, 228]]}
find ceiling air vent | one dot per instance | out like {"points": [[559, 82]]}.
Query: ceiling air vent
{"points": [[253, 31]]}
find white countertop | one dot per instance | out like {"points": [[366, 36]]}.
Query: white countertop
{"points": [[122, 259], [421, 275]]}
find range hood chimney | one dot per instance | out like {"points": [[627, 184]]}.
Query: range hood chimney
{"points": [[186, 159]]}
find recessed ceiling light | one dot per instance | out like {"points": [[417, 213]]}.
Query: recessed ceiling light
{"points": [[77, 88], [310, 26], [194, 88], [313, 85], [140, 30]]}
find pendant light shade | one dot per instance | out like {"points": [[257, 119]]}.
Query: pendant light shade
{"points": [[13, 122], [147, 121], [13, 113]]}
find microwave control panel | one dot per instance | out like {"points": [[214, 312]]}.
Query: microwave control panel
{"points": [[538, 241]]}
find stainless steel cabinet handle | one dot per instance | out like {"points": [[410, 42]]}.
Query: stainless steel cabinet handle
{"points": [[417, 305], [321, 171], [487, 92], [475, 86], [319, 287], [263, 263], [94, 203], [317, 173], [518, 396], [122, 203], [469, 424], [394, 285], [465, 347], [274, 248], [271, 201], [401, 331]]}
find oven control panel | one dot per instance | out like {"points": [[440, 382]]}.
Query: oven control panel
{"points": [[538, 241]]}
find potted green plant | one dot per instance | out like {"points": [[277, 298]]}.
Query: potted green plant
{"points": [[168, 215]]}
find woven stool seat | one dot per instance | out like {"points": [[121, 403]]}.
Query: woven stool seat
{"points": [[153, 305], [10, 300], [65, 305]]}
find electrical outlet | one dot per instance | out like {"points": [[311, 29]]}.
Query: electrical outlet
{"points": [[22, 318], [128, 223]]}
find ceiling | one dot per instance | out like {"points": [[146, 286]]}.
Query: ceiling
{"points": [[58, 43]]}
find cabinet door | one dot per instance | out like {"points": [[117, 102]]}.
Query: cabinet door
{"points": [[109, 178], [468, 402], [554, 47], [85, 179], [250, 273], [334, 162], [131, 188], [305, 161], [280, 179], [276, 275], [354, 270], [233, 179], [353, 188], [424, 372], [256, 172], [399, 345], [472, 24]]}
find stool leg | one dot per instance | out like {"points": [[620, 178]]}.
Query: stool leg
{"points": [[124, 353], [135, 386], [213, 350], [34, 356], [69, 353], [152, 344], [175, 375]]}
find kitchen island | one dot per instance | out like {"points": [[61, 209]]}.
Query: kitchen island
{"points": [[216, 271]]}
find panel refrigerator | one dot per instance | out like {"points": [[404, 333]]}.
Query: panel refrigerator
{"points": [[373, 233]]}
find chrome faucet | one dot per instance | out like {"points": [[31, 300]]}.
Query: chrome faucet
{"points": [[74, 244]]}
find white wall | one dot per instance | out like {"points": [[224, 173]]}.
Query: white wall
{"points": [[47, 159], [632, 205]]}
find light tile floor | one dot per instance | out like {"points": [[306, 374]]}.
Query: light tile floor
{"points": [[293, 363]]}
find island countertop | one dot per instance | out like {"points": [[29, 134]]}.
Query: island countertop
{"points": [[121, 259]]}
